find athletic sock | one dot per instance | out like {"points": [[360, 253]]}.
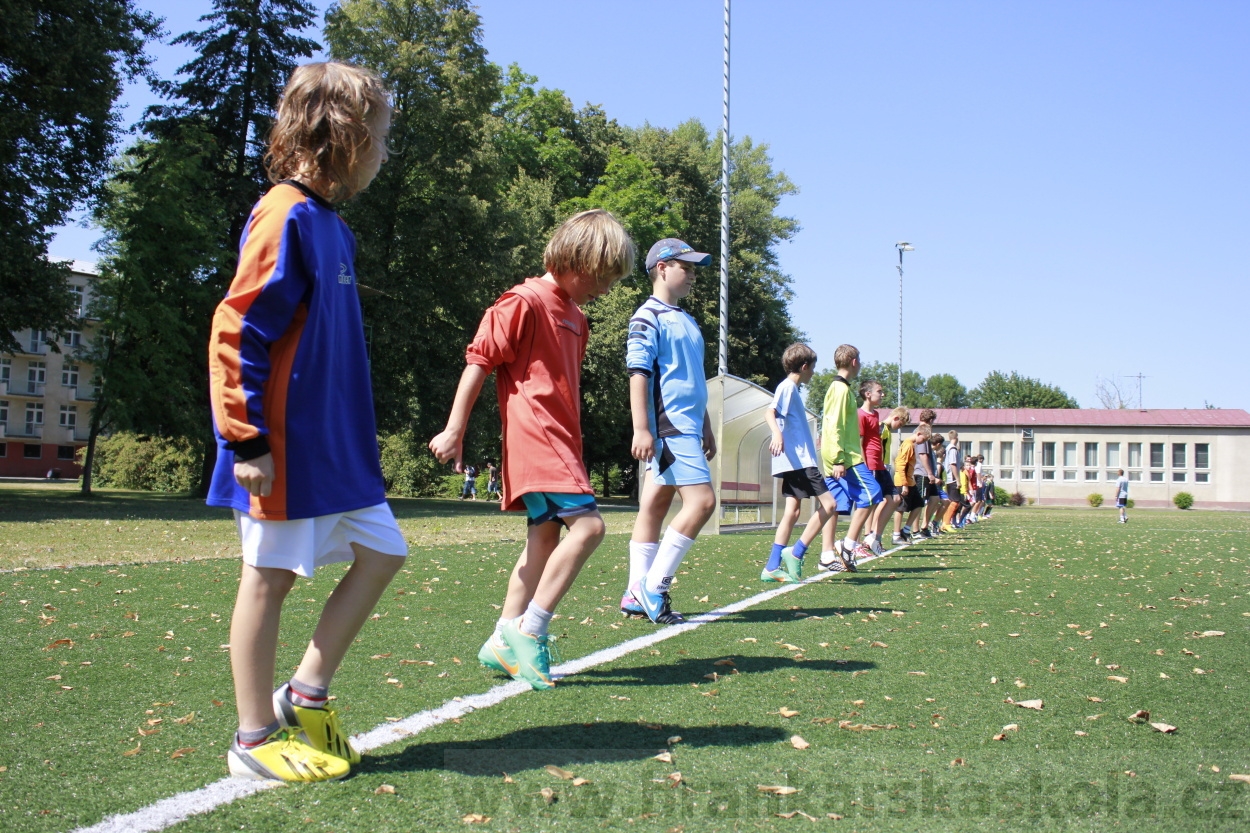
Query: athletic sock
{"points": [[849, 544], [774, 559], [667, 559], [799, 548], [498, 634], [535, 620], [307, 696], [254, 738], [641, 557], [869, 538]]}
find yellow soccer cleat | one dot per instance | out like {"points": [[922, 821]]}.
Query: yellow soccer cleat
{"points": [[282, 758], [318, 728]]}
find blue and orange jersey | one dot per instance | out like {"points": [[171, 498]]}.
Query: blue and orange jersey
{"points": [[288, 369]]}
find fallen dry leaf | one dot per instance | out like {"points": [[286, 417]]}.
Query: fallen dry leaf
{"points": [[1115, 679], [784, 712], [728, 662], [475, 818], [1036, 705], [748, 639], [580, 782], [1245, 779], [999, 736], [1081, 734], [1094, 699], [1139, 716], [798, 742], [833, 816], [1213, 633], [1011, 727], [384, 789], [674, 778], [917, 674], [60, 643], [130, 752], [563, 774], [185, 719], [148, 732], [865, 727], [674, 739], [381, 656], [713, 676], [664, 757], [508, 779], [703, 599], [182, 753], [548, 794], [1165, 728], [876, 644], [776, 790], [794, 813]]}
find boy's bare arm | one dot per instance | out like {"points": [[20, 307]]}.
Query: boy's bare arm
{"points": [[449, 445], [643, 445], [777, 445], [709, 439]]}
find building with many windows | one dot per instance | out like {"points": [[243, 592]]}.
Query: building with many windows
{"points": [[46, 394], [1061, 456]]}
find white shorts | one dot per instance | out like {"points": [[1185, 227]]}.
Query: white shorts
{"points": [[302, 546]]}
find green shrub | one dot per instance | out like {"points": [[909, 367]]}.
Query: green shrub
{"points": [[154, 464], [1016, 499], [1001, 497], [408, 468], [1183, 500], [1095, 500], [1128, 504]]}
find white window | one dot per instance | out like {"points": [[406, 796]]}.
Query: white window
{"points": [[1156, 456], [1091, 475], [965, 448], [6, 369], [1113, 476], [1069, 454], [1005, 474], [34, 415], [1134, 475], [69, 376], [1202, 477], [36, 374], [1069, 475], [1113, 455], [1156, 477], [1026, 474], [1091, 455], [69, 416], [1134, 456], [1007, 453], [37, 339], [1026, 453], [1178, 477], [1048, 474], [4, 411], [76, 292], [73, 339], [987, 451]]}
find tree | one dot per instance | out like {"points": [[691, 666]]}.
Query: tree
{"points": [[915, 393], [946, 391], [62, 67], [1112, 393], [999, 390]]}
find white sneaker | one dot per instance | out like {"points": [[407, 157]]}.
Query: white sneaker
{"points": [[876, 547]]}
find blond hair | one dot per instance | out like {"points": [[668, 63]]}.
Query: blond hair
{"points": [[592, 244], [902, 413], [797, 355], [923, 431], [328, 115], [844, 355], [954, 435]]}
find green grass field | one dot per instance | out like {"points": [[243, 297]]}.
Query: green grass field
{"points": [[896, 680]]}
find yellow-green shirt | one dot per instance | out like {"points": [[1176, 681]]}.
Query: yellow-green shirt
{"points": [[840, 442], [886, 459]]}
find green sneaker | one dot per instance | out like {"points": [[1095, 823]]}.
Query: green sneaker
{"points": [[779, 575], [532, 654], [497, 656], [793, 566]]}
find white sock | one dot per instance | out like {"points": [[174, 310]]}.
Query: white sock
{"points": [[869, 538], [641, 557], [498, 634], [672, 550], [535, 620], [849, 543]]}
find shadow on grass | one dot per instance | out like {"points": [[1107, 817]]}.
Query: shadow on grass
{"points": [[686, 671], [563, 745], [766, 615]]}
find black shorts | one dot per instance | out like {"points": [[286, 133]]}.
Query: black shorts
{"points": [[912, 500], [886, 482], [922, 488], [953, 493], [803, 483]]}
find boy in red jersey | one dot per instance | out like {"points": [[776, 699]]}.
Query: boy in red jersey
{"points": [[293, 412], [534, 339], [870, 431]]}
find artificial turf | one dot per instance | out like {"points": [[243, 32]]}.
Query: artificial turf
{"points": [[927, 645]]}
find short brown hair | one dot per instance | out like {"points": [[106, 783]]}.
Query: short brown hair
{"points": [[592, 244], [327, 116], [844, 355], [928, 415], [866, 386], [797, 355], [954, 435], [936, 439], [902, 412]]}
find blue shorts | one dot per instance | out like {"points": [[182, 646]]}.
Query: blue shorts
{"points": [[856, 488], [679, 461], [541, 507]]}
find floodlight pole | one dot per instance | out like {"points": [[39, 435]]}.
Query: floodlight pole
{"points": [[902, 246], [723, 356]]}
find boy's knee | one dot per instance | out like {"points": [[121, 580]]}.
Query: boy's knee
{"points": [[273, 582]]}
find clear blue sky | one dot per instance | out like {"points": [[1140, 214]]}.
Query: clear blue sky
{"points": [[1073, 175]]}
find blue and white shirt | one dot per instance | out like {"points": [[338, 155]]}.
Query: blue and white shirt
{"points": [[800, 450], [666, 346]]}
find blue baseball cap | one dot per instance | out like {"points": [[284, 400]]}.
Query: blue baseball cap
{"points": [[670, 248]]}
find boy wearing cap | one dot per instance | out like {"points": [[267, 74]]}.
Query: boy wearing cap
{"points": [[672, 432]]}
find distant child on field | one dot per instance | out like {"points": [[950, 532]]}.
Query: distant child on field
{"points": [[293, 413], [875, 435], [794, 461], [672, 432], [1121, 496], [841, 450], [534, 339]]}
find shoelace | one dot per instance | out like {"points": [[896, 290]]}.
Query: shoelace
{"points": [[547, 645]]}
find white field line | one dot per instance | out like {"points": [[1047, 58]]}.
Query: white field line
{"points": [[169, 811]]}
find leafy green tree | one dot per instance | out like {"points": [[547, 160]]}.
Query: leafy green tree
{"points": [[915, 393], [62, 67], [1000, 390], [946, 391]]}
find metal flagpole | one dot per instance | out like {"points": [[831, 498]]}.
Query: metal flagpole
{"points": [[723, 362], [902, 246]]}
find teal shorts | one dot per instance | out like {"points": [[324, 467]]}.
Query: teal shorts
{"points": [[541, 507]]}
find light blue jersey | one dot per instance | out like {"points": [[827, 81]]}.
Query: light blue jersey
{"points": [[666, 346]]}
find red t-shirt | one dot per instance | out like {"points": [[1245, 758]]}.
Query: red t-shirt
{"points": [[534, 338], [870, 436]]}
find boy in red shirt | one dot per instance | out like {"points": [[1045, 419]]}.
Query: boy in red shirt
{"points": [[534, 339], [874, 457]]}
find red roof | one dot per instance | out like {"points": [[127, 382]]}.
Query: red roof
{"points": [[1127, 417]]}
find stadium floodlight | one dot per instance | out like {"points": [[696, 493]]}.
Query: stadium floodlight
{"points": [[902, 246]]}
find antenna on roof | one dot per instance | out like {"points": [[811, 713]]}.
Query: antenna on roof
{"points": [[1139, 377]]}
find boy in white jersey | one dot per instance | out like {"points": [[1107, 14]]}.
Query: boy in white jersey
{"points": [[672, 432], [794, 461], [1121, 496]]}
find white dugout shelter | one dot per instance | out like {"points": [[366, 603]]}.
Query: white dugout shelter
{"points": [[747, 495]]}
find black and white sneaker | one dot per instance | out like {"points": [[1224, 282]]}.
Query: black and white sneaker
{"points": [[898, 540], [667, 615], [831, 562]]}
